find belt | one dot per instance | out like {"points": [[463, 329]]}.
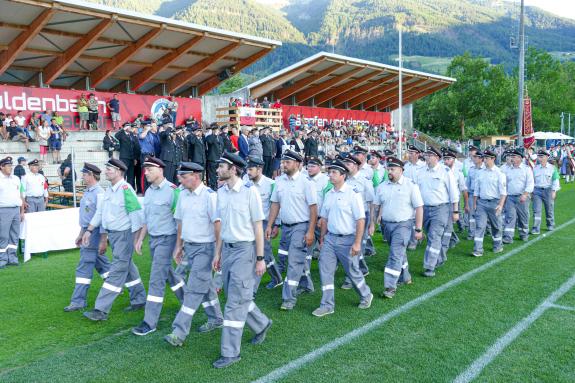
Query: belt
{"points": [[339, 235], [441, 204], [293, 224], [489, 200], [542, 188], [34, 196], [238, 244]]}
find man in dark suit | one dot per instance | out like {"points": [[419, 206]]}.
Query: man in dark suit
{"points": [[124, 137], [243, 143], [311, 145], [168, 152], [214, 150], [228, 146], [138, 173], [269, 151], [196, 147]]}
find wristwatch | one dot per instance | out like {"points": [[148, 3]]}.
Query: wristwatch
{"points": [[89, 231], [417, 230], [456, 212], [259, 259]]}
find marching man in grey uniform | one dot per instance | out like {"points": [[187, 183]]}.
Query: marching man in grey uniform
{"points": [[322, 186], [519, 188], [367, 171], [472, 173], [35, 189], [440, 197], [296, 196], [364, 186], [11, 213], [92, 255], [397, 199], [546, 187], [198, 230], [240, 255], [118, 214], [265, 187], [159, 204], [410, 169], [489, 195], [342, 225]]}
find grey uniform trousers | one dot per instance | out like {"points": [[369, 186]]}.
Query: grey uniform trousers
{"points": [[271, 266], [398, 235], [516, 214], [9, 234], [338, 248], [35, 204], [435, 219], [484, 214], [543, 196], [446, 238], [90, 259], [161, 251], [199, 289], [238, 270], [412, 241], [122, 271], [367, 245], [471, 224], [298, 264]]}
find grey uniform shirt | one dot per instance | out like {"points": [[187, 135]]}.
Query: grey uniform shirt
{"points": [[159, 204], [342, 209], [363, 186], [88, 204], [398, 199], [490, 184], [197, 211], [118, 209], [366, 170], [34, 185], [295, 195], [472, 177], [10, 191], [320, 180], [238, 208], [265, 186], [544, 177], [410, 170], [519, 179], [437, 185]]}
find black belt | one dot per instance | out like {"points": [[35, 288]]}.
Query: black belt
{"points": [[293, 224], [237, 244], [542, 188], [339, 235], [489, 200], [441, 204]]}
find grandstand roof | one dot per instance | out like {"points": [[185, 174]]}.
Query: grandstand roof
{"points": [[67, 41], [332, 80]]}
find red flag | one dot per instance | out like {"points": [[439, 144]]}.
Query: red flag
{"points": [[528, 138]]}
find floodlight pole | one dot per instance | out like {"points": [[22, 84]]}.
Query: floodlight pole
{"points": [[400, 127], [521, 75]]}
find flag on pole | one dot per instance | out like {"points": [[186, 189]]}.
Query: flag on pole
{"points": [[528, 137]]}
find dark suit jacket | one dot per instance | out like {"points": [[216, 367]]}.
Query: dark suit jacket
{"points": [[168, 151], [214, 147], [244, 146], [196, 150], [126, 145]]}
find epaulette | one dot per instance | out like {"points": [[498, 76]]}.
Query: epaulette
{"points": [[173, 186], [210, 190], [248, 185], [355, 190], [221, 186], [125, 187]]}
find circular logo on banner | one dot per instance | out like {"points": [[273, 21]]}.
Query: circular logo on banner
{"points": [[158, 108]]}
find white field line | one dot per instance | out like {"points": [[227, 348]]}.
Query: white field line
{"points": [[561, 307], [298, 363], [497, 348]]}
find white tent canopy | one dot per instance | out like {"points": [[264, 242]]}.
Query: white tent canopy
{"points": [[551, 136]]}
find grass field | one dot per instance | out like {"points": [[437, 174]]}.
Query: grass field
{"points": [[433, 330]]}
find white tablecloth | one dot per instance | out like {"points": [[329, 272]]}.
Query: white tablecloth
{"points": [[50, 230]]}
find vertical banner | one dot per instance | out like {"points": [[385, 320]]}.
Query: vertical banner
{"points": [[528, 137]]}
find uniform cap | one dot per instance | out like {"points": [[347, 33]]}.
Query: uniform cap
{"points": [[339, 165], [232, 159], [189, 167], [292, 156], [114, 163], [91, 168], [150, 161], [394, 162]]}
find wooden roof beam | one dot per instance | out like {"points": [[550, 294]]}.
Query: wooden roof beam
{"points": [[143, 76], [416, 96], [375, 101], [19, 43], [105, 70], [215, 80], [384, 88], [339, 100], [316, 89], [57, 66], [182, 78], [304, 82], [334, 92]]}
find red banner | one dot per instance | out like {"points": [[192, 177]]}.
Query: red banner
{"points": [[28, 100], [323, 116], [528, 138]]}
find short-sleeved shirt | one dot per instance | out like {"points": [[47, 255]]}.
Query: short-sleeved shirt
{"points": [[490, 184], [546, 177], [321, 182], [88, 204], [437, 185], [239, 207], [197, 210], [114, 105], [519, 179], [364, 186], [410, 170], [472, 173], [342, 209], [398, 199], [159, 204], [265, 186], [295, 195], [366, 170], [10, 191], [34, 185], [119, 209]]}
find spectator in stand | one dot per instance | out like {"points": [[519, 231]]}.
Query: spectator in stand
{"points": [[20, 119], [227, 142], [139, 120], [173, 108], [55, 141], [311, 145], [110, 143], [234, 138], [20, 169], [138, 161], [83, 113], [280, 143], [277, 104], [255, 144], [114, 105], [243, 143], [92, 112], [3, 133], [292, 123], [60, 121], [297, 143], [17, 134], [166, 118], [65, 174], [265, 103], [8, 120], [43, 136], [34, 125]]}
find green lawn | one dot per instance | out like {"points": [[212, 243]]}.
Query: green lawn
{"points": [[434, 341]]}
